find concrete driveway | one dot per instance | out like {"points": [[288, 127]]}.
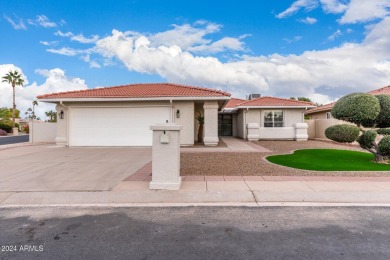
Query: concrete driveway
{"points": [[52, 168]]}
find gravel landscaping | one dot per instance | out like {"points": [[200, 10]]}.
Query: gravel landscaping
{"points": [[254, 164]]}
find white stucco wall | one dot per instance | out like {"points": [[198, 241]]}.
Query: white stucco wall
{"points": [[234, 125], [186, 120], [256, 115], [277, 133], [42, 132], [240, 124]]}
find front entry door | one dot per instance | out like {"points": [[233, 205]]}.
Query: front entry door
{"points": [[225, 125]]}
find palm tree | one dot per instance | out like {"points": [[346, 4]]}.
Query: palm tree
{"points": [[15, 79], [34, 103]]}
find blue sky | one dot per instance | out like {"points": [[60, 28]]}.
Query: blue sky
{"points": [[321, 49]]}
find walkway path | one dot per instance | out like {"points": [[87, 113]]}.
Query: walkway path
{"points": [[233, 145]]}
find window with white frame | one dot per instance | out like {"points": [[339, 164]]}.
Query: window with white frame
{"points": [[273, 118]]}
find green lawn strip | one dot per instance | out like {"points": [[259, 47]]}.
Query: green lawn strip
{"points": [[329, 160]]}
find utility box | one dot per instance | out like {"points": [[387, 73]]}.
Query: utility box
{"points": [[166, 157]]}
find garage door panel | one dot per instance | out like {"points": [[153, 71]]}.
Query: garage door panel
{"points": [[114, 126]]}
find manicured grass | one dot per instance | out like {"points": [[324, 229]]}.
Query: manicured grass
{"points": [[329, 160]]}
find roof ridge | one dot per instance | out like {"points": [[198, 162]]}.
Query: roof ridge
{"points": [[137, 84]]}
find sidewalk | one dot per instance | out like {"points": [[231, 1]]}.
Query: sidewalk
{"points": [[208, 192]]}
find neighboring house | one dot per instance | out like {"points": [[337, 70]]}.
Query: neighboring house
{"points": [[321, 112], [324, 112], [122, 115], [266, 117]]}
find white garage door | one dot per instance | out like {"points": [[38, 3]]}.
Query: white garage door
{"points": [[114, 126]]}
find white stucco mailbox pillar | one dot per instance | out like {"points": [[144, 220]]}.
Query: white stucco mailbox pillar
{"points": [[301, 132], [166, 157], [253, 131]]}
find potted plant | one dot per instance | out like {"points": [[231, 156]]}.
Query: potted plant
{"points": [[200, 119]]}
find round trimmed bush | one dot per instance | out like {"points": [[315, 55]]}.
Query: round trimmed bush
{"points": [[384, 146], [358, 108], [383, 131], [2, 132], [342, 133], [6, 126], [367, 139], [383, 119]]}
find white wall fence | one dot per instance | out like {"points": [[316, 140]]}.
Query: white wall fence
{"points": [[298, 132], [42, 132], [317, 127]]}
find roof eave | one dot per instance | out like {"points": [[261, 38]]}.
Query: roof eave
{"points": [[245, 107], [57, 100]]}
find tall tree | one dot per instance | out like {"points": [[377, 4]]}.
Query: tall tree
{"points": [[34, 103], [15, 79]]}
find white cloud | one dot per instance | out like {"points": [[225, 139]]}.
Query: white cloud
{"points": [[331, 73], [64, 51], [80, 38], [295, 39], [62, 34], [16, 25], [335, 35], [319, 74], [308, 20], [364, 11], [226, 43], [333, 6], [298, 5], [46, 43], [56, 81], [185, 35], [43, 21]]}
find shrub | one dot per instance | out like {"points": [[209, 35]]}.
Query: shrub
{"points": [[358, 108], [342, 133], [383, 119], [367, 139], [2, 132], [6, 126], [26, 129], [384, 146], [383, 131]]}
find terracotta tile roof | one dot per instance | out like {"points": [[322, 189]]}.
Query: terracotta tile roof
{"points": [[380, 91], [275, 102], [149, 90], [233, 102], [327, 107]]}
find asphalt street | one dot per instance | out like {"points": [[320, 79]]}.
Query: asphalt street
{"points": [[14, 139], [195, 233]]}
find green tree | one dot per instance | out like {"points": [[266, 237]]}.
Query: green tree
{"points": [[15, 79], [52, 115], [301, 99], [34, 103], [6, 113], [363, 110]]}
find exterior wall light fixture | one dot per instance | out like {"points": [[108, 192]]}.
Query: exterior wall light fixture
{"points": [[178, 113], [61, 114]]}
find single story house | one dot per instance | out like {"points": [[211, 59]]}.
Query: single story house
{"points": [[324, 112], [122, 115], [265, 118]]}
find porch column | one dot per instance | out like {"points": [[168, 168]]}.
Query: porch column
{"points": [[62, 126], [210, 123]]}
